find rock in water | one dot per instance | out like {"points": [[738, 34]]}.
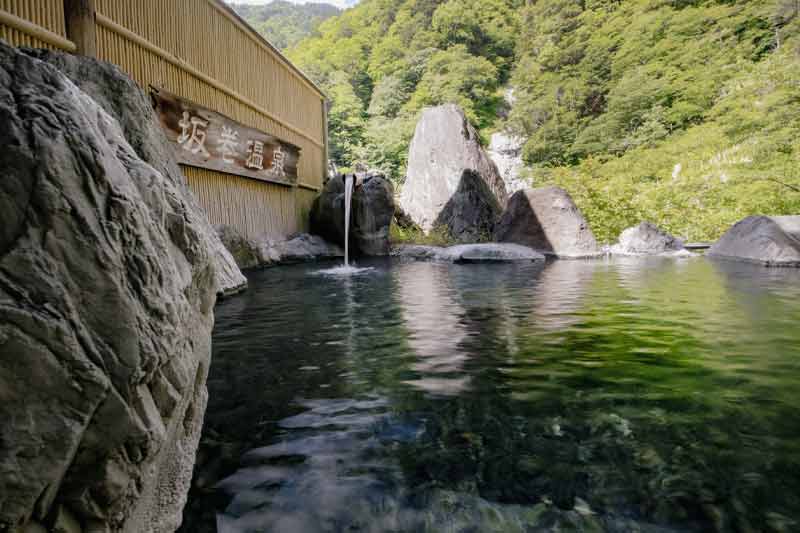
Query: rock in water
{"points": [[772, 241], [300, 249], [371, 213], [470, 253], [107, 288], [646, 239], [505, 150], [121, 98], [548, 221], [443, 147], [471, 212]]}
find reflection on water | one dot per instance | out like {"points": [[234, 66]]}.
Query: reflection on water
{"points": [[612, 395]]}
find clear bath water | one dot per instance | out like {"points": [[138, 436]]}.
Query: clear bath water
{"points": [[612, 395]]}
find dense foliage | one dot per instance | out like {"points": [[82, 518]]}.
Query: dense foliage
{"points": [[284, 24], [682, 112]]}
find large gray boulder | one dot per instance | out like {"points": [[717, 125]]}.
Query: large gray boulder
{"points": [[107, 288], [548, 221], [772, 241], [121, 98], [444, 146], [647, 239], [371, 213]]}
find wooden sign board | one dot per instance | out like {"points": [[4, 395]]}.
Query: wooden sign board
{"points": [[206, 139]]}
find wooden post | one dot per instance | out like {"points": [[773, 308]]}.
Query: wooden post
{"points": [[325, 153], [79, 16]]}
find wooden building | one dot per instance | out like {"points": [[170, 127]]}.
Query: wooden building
{"points": [[200, 51]]}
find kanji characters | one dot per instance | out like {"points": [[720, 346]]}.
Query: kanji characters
{"points": [[255, 155], [193, 134], [228, 144], [278, 162]]}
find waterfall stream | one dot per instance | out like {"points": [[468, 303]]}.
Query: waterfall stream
{"points": [[348, 194]]}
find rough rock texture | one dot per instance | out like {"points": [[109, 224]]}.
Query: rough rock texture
{"points": [[121, 98], [548, 221], [402, 219], [469, 253], [443, 147], [505, 150], [646, 239], [300, 249], [243, 251], [107, 290], [772, 241], [371, 212], [471, 212]]}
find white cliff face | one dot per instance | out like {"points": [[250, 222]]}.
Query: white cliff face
{"points": [[505, 150]]}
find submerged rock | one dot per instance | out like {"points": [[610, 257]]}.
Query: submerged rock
{"points": [[444, 146], [300, 249], [548, 221], [772, 241], [647, 239], [121, 98], [469, 253], [107, 288], [371, 213]]}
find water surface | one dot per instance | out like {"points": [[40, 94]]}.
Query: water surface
{"points": [[610, 395]]}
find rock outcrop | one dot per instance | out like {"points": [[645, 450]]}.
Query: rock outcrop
{"points": [[772, 241], [243, 251], [470, 253], [107, 288], [444, 146], [505, 150], [647, 239], [548, 221], [371, 213], [121, 98]]}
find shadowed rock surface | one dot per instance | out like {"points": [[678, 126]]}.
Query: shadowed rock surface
{"points": [[121, 98], [548, 221], [469, 253], [646, 239], [371, 213], [444, 146], [772, 241], [471, 212], [107, 288]]}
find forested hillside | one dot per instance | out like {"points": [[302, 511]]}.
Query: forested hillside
{"points": [[284, 24], [682, 112]]}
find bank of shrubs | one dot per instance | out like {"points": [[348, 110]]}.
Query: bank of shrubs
{"points": [[683, 112]]}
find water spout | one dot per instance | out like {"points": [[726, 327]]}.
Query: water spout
{"points": [[348, 193]]}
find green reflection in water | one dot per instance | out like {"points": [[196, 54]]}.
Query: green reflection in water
{"points": [[656, 395]]}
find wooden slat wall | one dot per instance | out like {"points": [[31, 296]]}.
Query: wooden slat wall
{"points": [[48, 14], [198, 50], [201, 35], [261, 209]]}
